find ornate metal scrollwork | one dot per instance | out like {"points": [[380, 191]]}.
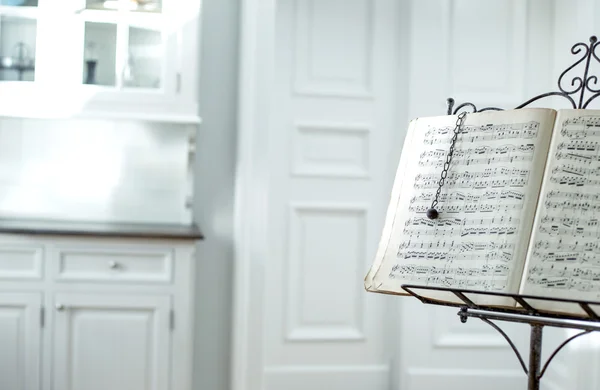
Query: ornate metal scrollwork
{"points": [[574, 91]]}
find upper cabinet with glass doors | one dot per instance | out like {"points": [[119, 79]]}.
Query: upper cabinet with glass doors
{"points": [[133, 59]]}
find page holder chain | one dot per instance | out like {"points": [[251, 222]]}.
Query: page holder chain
{"points": [[579, 92]]}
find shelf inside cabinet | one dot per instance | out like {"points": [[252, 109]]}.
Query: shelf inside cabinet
{"points": [[145, 6]]}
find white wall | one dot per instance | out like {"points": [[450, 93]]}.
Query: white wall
{"points": [[214, 186], [98, 170]]}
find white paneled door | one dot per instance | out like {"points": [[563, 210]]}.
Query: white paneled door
{"points": [[332, 140], [327, 90]]}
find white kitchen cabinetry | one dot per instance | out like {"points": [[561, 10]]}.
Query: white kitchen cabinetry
{"points": [[91, 313], [117, 342], [20, 336], [132, 59]]}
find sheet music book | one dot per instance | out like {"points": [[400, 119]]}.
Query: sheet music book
{"points": [[518, 212]]}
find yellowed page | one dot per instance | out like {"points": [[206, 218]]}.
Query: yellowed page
{"points": [[486, 206], [405, 157], [564, 255]]}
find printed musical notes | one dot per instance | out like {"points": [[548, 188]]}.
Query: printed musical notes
{"points": [[475, 241], [465, 250], [581, 127], [482, 133], [575, 175], [459, 202], [486, 277], [570, 246], [569, 257], [579, 279], [422, 226], [480, 155], [565, 254], [500, 177], [579, 146]]}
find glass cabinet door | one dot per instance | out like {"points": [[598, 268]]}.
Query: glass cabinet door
{"points": [[18, 39], [123, 45], [100, 49], [118, 58]]}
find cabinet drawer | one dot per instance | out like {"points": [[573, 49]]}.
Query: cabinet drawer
{"points": [[20, 263], [114, 266]]}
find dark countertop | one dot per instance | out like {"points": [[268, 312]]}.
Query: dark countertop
{"points": [[99, 229]]}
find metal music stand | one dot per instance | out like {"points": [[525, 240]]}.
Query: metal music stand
{"points": [[575, 93]]}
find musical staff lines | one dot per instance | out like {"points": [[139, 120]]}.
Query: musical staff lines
{"points": [[486, 277], [579, 146], [460, 202], [590, 259], [464, 246], [572, 282], [500, 177], [566, 252], [464, 251], [581, 127], [570, 246], [483, 155], [489, 132], [473, 242], [461, 227], [571, 226]]}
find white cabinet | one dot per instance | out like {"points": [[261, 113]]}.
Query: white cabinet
{"points": [[111, 342], [91, 313], [114, 266], [20, 336], [100, 58]]}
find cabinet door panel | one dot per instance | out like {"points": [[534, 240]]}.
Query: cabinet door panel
{"points": [[116, 59], [111, 342], [20, 341]]}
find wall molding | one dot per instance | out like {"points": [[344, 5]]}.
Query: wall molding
{"points": [[348, 135], [305, 82], [257, 51], [327, 376], [456, 378], [30, 259], [342, 368]]}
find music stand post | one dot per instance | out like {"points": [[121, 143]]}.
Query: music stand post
{"points": [[580, 92], [526, 314]]}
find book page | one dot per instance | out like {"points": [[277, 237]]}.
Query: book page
{"points": [[486, 205], [564, 255], [392, 204]]}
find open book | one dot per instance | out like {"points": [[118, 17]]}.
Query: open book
{"points": [[518, 212]]}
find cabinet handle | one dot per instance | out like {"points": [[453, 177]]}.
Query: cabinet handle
{"points": [[113, 264], [59, 307]]}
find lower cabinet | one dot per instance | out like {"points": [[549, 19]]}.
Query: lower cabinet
{"points": [[20, 341], [111, 342], [96, 315]]}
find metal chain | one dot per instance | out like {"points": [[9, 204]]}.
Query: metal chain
{"points": [[432, 213]]}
